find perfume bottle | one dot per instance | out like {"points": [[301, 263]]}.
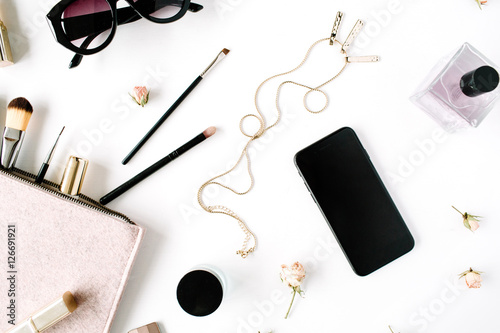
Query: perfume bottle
{"points": [[460, 93]]}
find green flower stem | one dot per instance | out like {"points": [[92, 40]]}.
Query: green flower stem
{"points": [[457, 210], [290, 307]]}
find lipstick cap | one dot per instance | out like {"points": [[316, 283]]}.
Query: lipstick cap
{"points": [[74, 174]]}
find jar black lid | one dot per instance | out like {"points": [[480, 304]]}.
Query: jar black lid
{"points": [[479, 81], [199, 293]]}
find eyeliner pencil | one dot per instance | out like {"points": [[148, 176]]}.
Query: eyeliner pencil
{"points": [[179, 100], [48, 159], [157, 166]]}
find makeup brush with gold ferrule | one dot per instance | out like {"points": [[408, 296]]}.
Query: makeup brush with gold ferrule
{"points": [[19, 113]]}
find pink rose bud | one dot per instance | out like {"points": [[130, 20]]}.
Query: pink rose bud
{"points": [[294, 275], [140, 95], [472, 278], [471, 222]]}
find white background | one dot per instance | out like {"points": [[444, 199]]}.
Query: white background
{"points": [[417, 293]]}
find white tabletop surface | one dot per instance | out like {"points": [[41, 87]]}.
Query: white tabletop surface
{"points": [[419, 292]]}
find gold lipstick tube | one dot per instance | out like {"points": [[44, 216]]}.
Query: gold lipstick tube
{"points": [[48, 316], [5, 51]]}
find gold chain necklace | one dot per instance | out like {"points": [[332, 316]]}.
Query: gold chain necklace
{"points": [[250, 241]]}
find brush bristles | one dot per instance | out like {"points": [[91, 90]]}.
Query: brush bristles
{"points": [[19, 112], [21, 103], [225, 51], [209, 132]]}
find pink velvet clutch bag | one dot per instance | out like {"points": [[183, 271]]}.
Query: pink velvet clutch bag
{"points": [[62, 244]]}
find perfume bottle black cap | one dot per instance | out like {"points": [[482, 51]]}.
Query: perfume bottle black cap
{"points": [[479, 81]]}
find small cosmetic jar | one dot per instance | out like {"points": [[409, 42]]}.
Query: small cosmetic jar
{"points": [[201, 290]]}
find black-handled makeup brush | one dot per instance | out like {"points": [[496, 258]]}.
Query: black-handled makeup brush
{"points": [[157, 166], [181, 98], [48, 159]]}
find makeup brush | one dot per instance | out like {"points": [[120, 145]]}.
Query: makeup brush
{"points": [[146, 137], [157, 166], [19, 112], [48, 159]]}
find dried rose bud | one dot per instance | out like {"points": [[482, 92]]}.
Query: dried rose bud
{"points": [[140, 95], [471, 222], [472, 278], [293, 277]]}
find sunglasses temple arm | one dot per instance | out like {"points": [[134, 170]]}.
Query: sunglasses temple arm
{"points": [[77, 59], [194, 7]]}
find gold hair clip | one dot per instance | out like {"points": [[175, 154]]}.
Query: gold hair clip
{"points": [[250, 241], [336, 27], [352, 35], [363, 59], [349, 40]]}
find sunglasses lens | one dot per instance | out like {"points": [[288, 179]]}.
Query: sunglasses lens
{"points": [[160, 9], [87, 23]]}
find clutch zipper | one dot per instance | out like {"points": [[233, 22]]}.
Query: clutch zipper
{"points": [[82, 199]]}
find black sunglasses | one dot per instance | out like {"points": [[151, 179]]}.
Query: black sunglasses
{"points": [[88, 26]]}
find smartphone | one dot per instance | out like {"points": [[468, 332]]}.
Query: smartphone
{"points": [[354, 201]]}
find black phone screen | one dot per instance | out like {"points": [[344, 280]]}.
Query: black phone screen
{"points": [[354, 201]]}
